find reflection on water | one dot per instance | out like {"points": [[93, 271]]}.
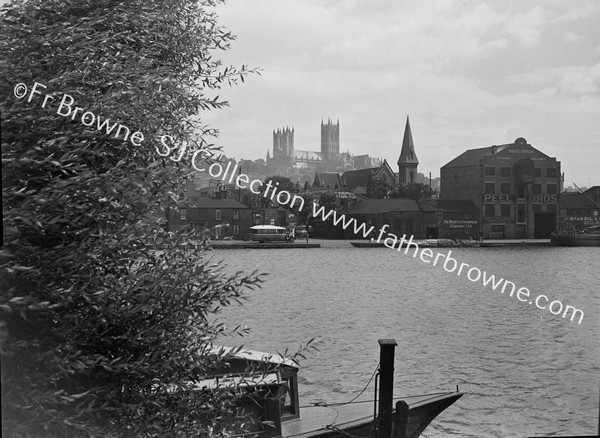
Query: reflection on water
{"points": [[525, 371]]}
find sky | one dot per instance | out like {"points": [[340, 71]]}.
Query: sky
{"points": [[468, 74]]}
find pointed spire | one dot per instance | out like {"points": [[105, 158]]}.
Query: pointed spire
{"points": [[408, 155]]}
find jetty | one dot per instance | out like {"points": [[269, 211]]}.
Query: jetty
{"points": [[236, 244]]}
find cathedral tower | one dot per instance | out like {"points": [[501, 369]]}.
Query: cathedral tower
{"points": [[283, 144], [330, 140], [408, 162]]}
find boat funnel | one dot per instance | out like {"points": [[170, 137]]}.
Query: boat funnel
{"points": [[386, 386]]}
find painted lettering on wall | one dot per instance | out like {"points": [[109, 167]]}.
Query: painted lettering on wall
{"points": [[497, 197], [544, 199]]}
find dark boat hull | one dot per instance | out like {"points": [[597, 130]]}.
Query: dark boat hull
{"points": [[357, 419], [582, 239]]}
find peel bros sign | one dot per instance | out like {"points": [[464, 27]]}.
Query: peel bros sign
{"points": [[542, 199]]}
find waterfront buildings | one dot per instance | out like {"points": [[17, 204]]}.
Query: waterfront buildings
{"points": [[220, 217], [578, 210], [515, 186]]}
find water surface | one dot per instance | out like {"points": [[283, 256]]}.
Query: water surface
{"points": [[525, 372]]}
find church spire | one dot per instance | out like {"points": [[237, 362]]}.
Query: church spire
{"points": [[408, 155]]}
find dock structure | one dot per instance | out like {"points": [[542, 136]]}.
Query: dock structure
{"points": [[258, 245]]}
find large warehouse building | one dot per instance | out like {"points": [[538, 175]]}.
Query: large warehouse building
{"points": [[515, 186]]}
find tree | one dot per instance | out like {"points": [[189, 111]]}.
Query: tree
{"points": [[281, 183], [413, 191], [378, 188], [306, 212], [100, 307], [328, 201]]}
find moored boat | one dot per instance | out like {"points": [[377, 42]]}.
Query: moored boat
{"points": [[587, 237], [274, 406]]}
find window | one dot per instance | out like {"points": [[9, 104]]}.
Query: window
{"points": [[520, 212], [490, 210], [536, 189], [505, 171], [490, 170], [236, 230], [218, 215], [551, 189], [504, 209], [183, 214], [505, 188], [490, 188], [537, 172], [236, 213], [536, 207], [551, 207], [552, 172]]}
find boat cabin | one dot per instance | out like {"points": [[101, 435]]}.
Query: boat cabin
{"points": [[272, 389]]}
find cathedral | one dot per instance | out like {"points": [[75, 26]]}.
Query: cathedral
{"points": [[328, 159]]}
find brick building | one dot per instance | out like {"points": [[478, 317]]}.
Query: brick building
{"points": [[220, 217], [515, 186], [449, 219]]}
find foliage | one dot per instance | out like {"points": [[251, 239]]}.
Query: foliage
{"points": [[378, 188], [281, 183], [100, 307], [306, 212], [254, 169], [413, 191], [328, 200]]}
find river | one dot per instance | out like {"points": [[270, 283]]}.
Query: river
{"points": [[525, 372]]}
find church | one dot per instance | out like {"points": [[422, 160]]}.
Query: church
{"points": [[329, 158]]}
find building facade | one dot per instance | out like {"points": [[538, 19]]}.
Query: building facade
{"points": [[515, 186], [218, 217], [579, 210]]}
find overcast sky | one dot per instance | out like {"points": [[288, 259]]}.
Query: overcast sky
{"points": [[469, 74]]}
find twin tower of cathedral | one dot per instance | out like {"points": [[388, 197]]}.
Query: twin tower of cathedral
{"points": [[283, 144], [330, 158]]}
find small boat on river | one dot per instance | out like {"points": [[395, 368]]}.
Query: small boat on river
{"points": [[587, 237], [274, 409]]}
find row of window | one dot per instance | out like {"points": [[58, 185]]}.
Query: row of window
{"points": [[218, 215], [551, 172], [506, 210], [506, 189]]}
